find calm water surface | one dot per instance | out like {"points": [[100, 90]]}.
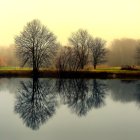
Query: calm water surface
{"points": [[69, 109]]}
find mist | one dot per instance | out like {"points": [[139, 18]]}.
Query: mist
{"points": [[120, 52], [123, 52], [8, 56]]}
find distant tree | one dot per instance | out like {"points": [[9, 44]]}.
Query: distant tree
{"points": [[123, 52], [8, 56], [80, 43], [138, 54], [36, 45], [98, 51]]}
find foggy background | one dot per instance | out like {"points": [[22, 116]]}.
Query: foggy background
{"points": [[120, 52], [123, 52], [8, 56]]}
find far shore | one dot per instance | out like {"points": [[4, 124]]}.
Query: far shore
{"points": [[45, 73]]}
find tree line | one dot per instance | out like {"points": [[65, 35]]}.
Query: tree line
{"points": [[36, 46]]}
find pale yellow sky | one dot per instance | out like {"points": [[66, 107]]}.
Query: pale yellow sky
{"points": [[107, 19]]}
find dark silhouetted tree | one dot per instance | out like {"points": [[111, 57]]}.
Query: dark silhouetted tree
{"points": [[67, 60], [98, 51], [80, 43], [36, 45]]}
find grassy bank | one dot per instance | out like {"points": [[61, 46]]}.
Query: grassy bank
{"points": [[99, 73]]}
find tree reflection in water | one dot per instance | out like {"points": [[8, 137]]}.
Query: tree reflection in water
{"points": [[98, 95], [36, 102], [137, 94], [125, 91], [81, 95]]}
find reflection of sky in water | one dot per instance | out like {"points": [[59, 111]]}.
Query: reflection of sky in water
{"points": [[117, 119]]}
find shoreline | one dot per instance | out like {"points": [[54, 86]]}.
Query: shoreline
{"points": [[102, 74]]}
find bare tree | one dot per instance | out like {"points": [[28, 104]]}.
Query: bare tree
{"points": [[98, 50], [36, 45], [80, 42], [67, 60]]}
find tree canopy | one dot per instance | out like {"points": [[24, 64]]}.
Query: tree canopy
{"points": [[36, 45]]}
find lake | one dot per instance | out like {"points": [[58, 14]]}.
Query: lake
{"points": [[69, 109]]}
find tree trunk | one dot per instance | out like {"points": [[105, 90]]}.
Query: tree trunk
{"points": [[35, 72], [35, 68]]}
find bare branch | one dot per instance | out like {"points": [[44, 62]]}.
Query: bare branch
{"points": [[36, 45]]}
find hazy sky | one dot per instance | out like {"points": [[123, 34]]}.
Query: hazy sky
{"points": [[107, 19]]}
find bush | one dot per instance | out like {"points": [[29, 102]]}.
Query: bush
{"points": [[128, 67]]}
